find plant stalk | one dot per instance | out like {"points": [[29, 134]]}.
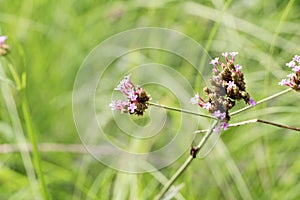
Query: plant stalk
{"points": [[187, 162], [262, 101], [181, 110]]}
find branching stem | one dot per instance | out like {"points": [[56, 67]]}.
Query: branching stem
{"points": [[250, 121], [180, 110], [187, 162], [262, 101]]}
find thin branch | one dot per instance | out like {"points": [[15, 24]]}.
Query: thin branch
{"points": [[187, 162], [255, 121], [180, 110], [262, 101]]}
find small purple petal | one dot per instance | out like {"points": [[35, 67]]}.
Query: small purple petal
{"points": [[214, 61], [220, 115], [117, 105], [296, 68], [252, 102], [225, 54], [231, 84], [224, 125], [3, 39], [290, 64], [238, 67], [217, 129], [283, 82], [132, 107], [233, 54], [296, 58], [195, 99], [207, 106]]}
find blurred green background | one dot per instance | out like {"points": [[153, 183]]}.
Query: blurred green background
{"points": [[250, 162]]}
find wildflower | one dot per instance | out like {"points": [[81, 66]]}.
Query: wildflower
{"points": [[228, 87], [293, 80], [224, 125], [214, 61], [136, 98], [233, 54], [195, 99], [238, 67], [207, 106], [4, 48], [132, 107], [252, 102]]}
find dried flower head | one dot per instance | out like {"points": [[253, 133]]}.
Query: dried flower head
{"points": [[4, 48], [228, 86], [293, 80], [136, 98]]}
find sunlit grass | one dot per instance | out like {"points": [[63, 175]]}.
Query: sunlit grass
{"points": [[254, 161]]}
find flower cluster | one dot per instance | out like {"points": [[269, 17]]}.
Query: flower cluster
{"points": [[228, 86], [4, 48], [136, 98], [293, 80]]}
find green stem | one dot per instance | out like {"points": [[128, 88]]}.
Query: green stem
{"points": [[28, 122], [180, 110], [36, 154], [250, 121], [262, 101], [187, 162]]}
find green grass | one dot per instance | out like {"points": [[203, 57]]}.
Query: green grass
{"points": [[49, 41]]}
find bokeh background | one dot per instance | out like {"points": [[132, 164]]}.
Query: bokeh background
{"points": [[51, 39]]}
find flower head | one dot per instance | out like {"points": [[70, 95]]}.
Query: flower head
{"points": [[3, 38], [136, 98], [214, 61], [228, 87], [4, 48], [293, 80]]}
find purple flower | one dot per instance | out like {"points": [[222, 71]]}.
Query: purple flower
{"points": [[225, 54], [220, 115], [238, 67], [195, 99], [217, 129], [224, 125], [132, 107], [296, 58], [131, 94], [3, 38], [233, 54], [293, 80], [214, 61], [296, 69], [207, 106], [230, 85], [252, 102], [283, 82], [134, 96], [290, 64], [118, 105], [4, 48]]}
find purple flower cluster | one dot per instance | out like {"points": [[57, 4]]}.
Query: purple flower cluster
{"points": [[4, 48], [293, 80], [136, 98], [228, 87]]}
